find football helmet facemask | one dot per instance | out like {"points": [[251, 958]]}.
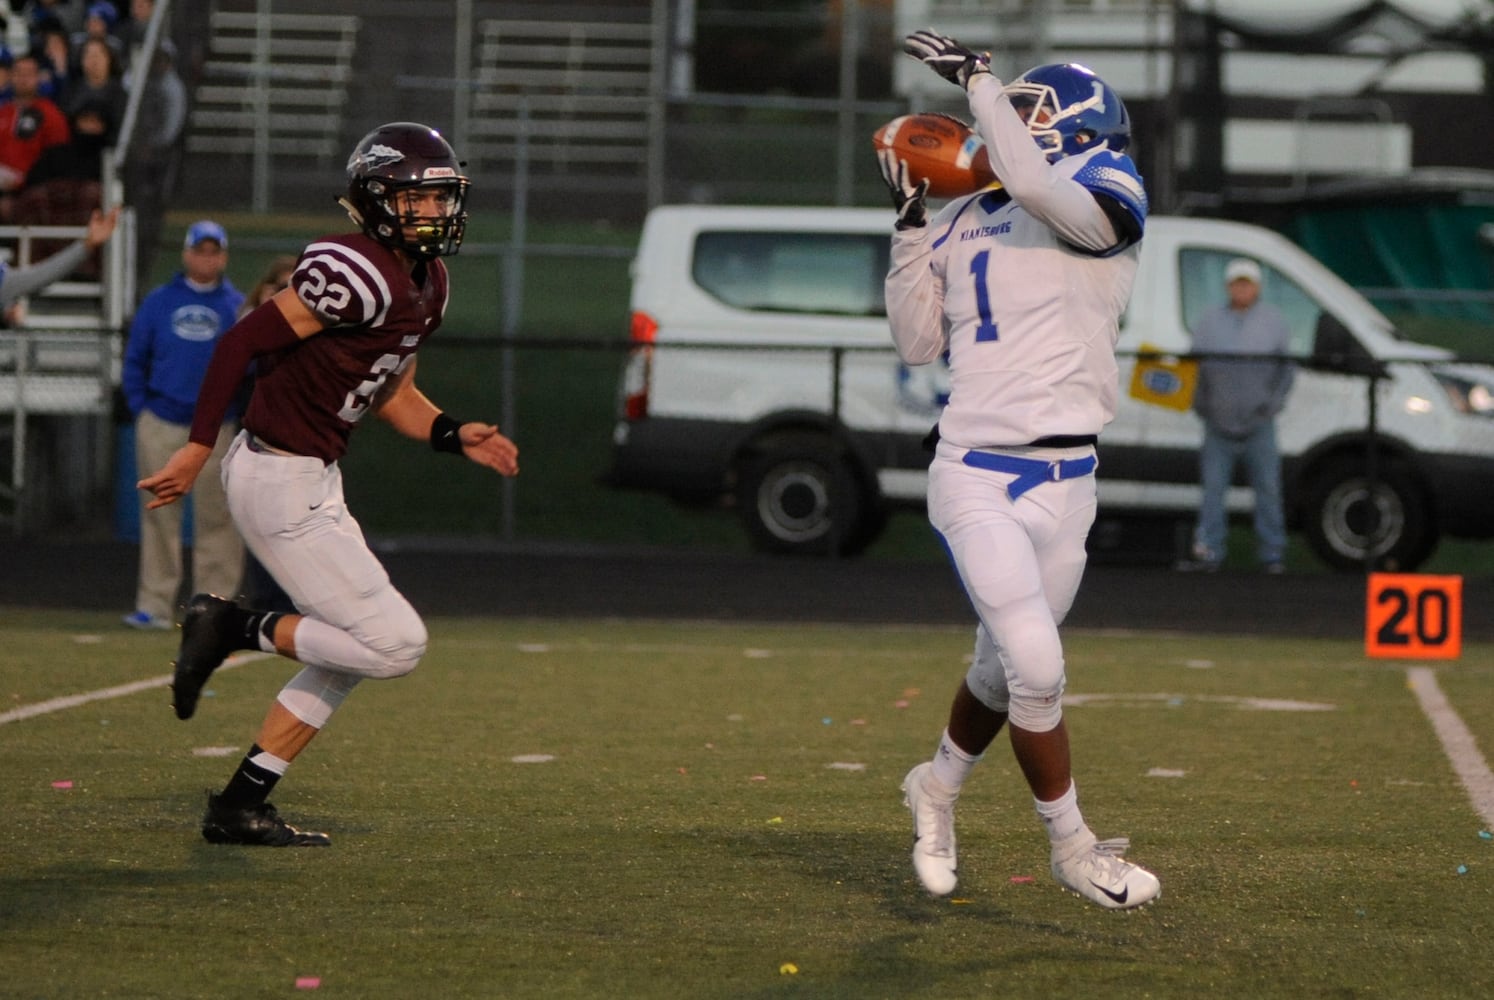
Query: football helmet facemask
{"points": [[1069, 110], [404, 156]]}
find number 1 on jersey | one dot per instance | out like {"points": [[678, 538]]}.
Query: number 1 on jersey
{"points": [[986, 331]]}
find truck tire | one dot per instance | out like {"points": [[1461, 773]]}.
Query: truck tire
{"points": [[1341, 524], [800, 495]]}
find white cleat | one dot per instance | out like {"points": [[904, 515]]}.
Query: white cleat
{"points": [[1095, 870], [933, 831]]}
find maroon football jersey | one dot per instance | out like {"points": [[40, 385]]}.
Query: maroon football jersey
{"points": [[308, 397]]}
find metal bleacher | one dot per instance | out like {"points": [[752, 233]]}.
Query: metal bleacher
{"points": [[274, 86], [577, 92], [62, 358]]}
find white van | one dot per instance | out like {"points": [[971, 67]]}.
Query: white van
{"points": [[764, 372]]}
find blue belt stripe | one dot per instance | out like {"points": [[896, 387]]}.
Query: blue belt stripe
{"points": [[1030, 472]]}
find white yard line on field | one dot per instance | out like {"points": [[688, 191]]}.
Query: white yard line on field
{"points": [[104, 694], [1457, 742]]}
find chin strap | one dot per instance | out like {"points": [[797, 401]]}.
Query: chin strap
{"points": [[353, 213]]}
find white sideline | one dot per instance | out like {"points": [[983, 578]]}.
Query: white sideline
{"points": [[104, 694], [1457, 741]]}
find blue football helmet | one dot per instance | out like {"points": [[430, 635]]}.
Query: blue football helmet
{"points": [[1069, 110]]}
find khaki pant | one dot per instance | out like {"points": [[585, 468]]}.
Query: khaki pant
{"points": [[217, 551]]}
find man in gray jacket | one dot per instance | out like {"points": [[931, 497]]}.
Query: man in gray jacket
{"points": [[1238, 401]]}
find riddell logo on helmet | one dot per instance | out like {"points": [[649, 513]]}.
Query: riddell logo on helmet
{"points": [[432, 173]]}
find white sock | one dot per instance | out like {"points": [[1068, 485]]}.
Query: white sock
{"points": [[1061, 817], [951, 764]]}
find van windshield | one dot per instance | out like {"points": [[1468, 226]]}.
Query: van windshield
{"points": [[830, 273]]}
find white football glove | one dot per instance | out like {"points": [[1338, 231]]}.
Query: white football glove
{"points": [[946, 56], [907, 197]]}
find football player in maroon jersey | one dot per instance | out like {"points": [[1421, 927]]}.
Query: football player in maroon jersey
{"points": [[336, 344]]}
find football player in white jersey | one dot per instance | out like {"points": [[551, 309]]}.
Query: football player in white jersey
{"points": [[1022, 286]]}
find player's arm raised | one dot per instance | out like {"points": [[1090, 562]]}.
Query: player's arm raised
{"points": [[401, 403], [278, 323]]}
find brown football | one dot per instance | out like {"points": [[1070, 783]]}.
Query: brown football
{"points": [[941, 148]]}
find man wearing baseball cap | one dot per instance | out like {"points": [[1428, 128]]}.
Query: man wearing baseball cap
{"points": [[171, 341], [1238, 400]]}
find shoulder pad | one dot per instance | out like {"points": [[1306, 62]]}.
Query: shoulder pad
{"points": [[341, 285], [1113, 174]]}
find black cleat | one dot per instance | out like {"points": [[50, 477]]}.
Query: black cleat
{"points": [[256, 826], [209, 634]]}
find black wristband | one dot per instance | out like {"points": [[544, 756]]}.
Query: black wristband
{"points": [[446, 434]]}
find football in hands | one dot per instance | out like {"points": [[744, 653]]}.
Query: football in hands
{"points": [[941, 148]]}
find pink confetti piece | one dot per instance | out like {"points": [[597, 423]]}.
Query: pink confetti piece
{"points": [[62, 784], [308, 982], [682, 770], [758, 777], [1022, 879], [858, 722], [900, 703]]}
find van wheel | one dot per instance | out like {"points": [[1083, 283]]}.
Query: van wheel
{"points": [[1343, 522], [800, 495]]}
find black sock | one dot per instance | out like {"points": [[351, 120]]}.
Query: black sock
{"points": [[255, 624], [250, 784]]}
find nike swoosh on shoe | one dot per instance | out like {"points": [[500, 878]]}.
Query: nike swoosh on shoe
{"points": [[1118, 897]]}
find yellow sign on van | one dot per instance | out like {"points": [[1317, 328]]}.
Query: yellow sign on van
{"points": [[1163, 379]]}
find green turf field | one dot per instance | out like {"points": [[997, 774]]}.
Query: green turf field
{"points": [[717, 815]]}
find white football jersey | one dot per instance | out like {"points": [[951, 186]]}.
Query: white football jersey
{"points": [[1023, 286]]}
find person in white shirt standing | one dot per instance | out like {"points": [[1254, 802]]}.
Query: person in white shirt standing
{"points": [[1022, 285]]}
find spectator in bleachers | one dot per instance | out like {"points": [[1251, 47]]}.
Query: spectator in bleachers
{"points": [[98, 22], [54, 57], [64, 186], [131, 34], [97, 84], [29, 123], [155, 153]]}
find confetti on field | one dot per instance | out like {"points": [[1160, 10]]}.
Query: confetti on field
{"points": [[858, 722], [959, 902], [826, 720], [1485, 835], [533, 647], [533, 758], [308, 982], [1165, 772], [788, 969], [1022, 879], [757, 654], [735, 717], [758, 777], [845, 765], [64, 785], [88, 640], [1462, 869], [213, 751], [1199, 664], [900, 703], [911, 692], [776, 821]]}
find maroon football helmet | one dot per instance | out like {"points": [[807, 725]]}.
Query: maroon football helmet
{"points": [[403, 156]]}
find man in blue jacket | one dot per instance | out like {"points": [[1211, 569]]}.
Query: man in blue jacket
{"points": [[171, 341]]}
